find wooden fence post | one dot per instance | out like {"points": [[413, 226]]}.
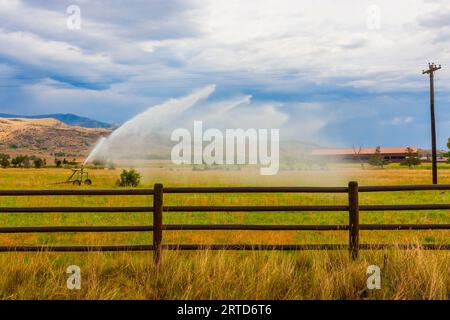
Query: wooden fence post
{"points": [[157, 221], [353, 223]]}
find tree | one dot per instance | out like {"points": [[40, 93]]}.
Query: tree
{"points": [[129, 178], [448, 153], [377, 159], [4, 160], [21, 161], [15, 162], [39, 163], [358, 155], [58, 163], [26, 163], [411, 158]]}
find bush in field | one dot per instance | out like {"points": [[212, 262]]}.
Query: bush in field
{"points": [[110, 165], [377, 159], [99, 162], [15, 162], [39, 163], [4, 160], [448, 153], [411, 158], [129, 178], [26, 162], [58, 163], [21, 161], [4, 163]]}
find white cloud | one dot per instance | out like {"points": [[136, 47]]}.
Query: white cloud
{"points": [[264, 41], [399, 120], [292, 55]]}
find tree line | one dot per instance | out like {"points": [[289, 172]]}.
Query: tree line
{"points": [[7, 161], [23, 161], [411, 158]]}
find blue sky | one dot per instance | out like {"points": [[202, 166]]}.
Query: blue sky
{"points": [[341, 72]]}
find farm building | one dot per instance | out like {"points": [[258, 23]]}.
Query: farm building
{"points": [[425, 155], [356, 154]]}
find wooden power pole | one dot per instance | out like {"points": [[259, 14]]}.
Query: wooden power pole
{"points": [[431, 69]]}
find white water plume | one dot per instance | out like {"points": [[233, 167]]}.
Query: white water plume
{"points": [[142, 136], [99, 147], [147, 135]]}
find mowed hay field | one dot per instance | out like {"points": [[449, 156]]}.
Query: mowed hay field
{"points": [[406, 274]]}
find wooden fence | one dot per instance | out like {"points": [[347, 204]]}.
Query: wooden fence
{"points": [[158, 208]]}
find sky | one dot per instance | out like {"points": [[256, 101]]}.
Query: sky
{"points": [[335, 73]]}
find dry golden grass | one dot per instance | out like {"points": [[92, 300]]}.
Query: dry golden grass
{"points": [[413, 274]]}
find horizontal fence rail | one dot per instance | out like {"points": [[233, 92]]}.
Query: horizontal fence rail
{"points": [[117, 192], [412, 187], [282, 247], [207, 227], [400, 207], [73, 209], [83, 192], [256, 190], [158, 209]]}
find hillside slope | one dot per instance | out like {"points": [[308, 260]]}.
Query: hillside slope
{"points": [[45, 137], [67, 118]]}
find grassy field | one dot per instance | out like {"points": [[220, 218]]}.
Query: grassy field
{"points": [[235, 275]]}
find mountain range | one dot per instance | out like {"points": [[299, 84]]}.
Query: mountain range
{"points": [[67, 118]]}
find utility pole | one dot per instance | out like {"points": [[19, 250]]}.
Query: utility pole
{"points": [[431, 69]]}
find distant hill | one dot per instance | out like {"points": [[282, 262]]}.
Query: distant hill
{"points": [[47, 137], [69, 119]]}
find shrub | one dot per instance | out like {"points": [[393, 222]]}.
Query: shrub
{"points": [[58, 163], [39, 163], [110, 165], [448, 153], [129, 178], [26, 163], [411, 158], [15, 162], [21, 161], [4, 161], [377, 159], [99, 162]]}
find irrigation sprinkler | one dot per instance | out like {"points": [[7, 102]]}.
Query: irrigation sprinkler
{"points": [[78, 177]]}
